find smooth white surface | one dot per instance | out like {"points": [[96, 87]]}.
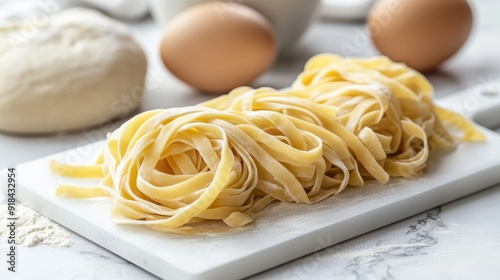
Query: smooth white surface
{"points": [[284, 232], [122, 9], [346, 10], [459, 240], [34, 12], [289, 18]]}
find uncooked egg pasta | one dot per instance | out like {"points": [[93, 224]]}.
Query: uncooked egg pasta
{"points": [[344, 121]]}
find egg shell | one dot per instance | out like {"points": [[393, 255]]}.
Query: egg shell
{"points": [[420, 33], [217, 49]]}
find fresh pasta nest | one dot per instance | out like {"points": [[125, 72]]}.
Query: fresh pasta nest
{"points": [[343, 122]]}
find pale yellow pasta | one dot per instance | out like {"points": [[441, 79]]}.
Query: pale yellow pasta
{"points": [[344, 121]]}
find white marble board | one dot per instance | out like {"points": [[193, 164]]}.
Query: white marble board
{"points": [[285, 232]]}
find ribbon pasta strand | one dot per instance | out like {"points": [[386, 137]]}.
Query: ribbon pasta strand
{"points": [[343, 122]]}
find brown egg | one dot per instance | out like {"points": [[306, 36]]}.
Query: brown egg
{"points": [[216, 48], [420, 33]]}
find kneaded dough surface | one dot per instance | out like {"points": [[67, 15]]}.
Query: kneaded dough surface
{"points": [[78, 69]]}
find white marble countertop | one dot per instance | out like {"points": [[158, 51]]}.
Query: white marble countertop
{"points": [[459, 240]]}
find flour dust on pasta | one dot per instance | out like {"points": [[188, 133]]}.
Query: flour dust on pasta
{"points": [[343, 121]]}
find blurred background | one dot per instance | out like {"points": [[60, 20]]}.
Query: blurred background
{"points": [[465, 33]]}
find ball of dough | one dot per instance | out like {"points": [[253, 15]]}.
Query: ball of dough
{"points": [[73, 70]]}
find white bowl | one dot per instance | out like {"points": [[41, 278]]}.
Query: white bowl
{"points": [[289, 18]]}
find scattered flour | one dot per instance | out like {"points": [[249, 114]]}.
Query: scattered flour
{"points": [[34, 229]]}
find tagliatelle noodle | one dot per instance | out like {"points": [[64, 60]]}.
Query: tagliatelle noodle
{"points": [[331, 80], [168, 168], [310, 116], [344, 121], [407, 85]]}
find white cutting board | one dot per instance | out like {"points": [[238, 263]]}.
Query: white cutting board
{"points": [[285, 232]]}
